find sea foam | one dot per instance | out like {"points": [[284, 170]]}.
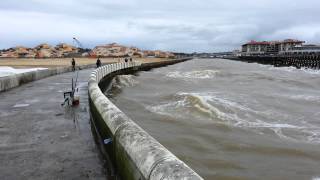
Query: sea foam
{"points": [[124, 81], [213, 107], [200, 74]]}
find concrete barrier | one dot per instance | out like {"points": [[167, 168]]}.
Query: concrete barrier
{"points": [[9, 82], [134, 153]]}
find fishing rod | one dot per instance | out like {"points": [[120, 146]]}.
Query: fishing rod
{"points": [[69, 95]]}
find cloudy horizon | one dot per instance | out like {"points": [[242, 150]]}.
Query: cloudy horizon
{"points": [[181, 26]]}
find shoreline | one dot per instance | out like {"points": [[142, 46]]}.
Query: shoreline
{"points": [[24, 63], [55, 67]]}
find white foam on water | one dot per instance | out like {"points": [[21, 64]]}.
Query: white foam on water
{"points": [[8, 71], [287, 69], [311, 133], [316, 178], [187, 102], [305, 97], [201, 74], [21, 105], [311, 71], [294, 69], [163, 109], [299, 97], [125, 81], [204, 104]]}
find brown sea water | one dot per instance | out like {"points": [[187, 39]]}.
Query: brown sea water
{"points": [[228, 119]]}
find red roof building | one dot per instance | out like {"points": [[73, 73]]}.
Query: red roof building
{"points": [[269, 47]]}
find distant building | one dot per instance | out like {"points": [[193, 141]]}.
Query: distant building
{"points": [[45, 51], [269, 47], [303, 49], [65, 50], [162, 54], [114, 50], [255, 48], [149, 53], [236, 53], [289, 43], [40, 51]]}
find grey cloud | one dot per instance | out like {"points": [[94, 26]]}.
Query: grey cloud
{"points": [[193, 25]]}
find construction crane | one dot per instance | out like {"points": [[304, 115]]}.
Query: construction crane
{"points": [[76, 41], [82, 49]]}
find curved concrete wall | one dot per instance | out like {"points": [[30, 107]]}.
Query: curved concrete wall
{"points": [[13, 81], [134, 152]]}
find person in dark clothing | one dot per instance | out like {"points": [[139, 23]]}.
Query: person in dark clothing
{"points": [[126, 60], [98, 63], [73, 63]]}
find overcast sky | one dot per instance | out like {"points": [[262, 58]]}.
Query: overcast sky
{"points": [[173, 25]]}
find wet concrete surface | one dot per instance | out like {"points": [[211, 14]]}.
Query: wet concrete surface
{"points": [[40, 139]]}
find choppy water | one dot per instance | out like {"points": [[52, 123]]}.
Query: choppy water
{"points": [[228, 119]]}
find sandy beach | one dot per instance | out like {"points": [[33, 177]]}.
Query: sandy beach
{"points": [[60, 62]]}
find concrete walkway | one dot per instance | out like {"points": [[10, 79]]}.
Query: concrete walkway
{"points": [[39, 139]]}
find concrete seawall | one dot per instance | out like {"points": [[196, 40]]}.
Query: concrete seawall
{"points": [[133, 152], [13, 81]]}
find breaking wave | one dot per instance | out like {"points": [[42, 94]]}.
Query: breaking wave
{"points": [[289, 69], [294, 69], [224, 111], [183, 103], [201, 74], [122, 81]]}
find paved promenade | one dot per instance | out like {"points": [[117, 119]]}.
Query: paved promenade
{"points": [[39, 139]]}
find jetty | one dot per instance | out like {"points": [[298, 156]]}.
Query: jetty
{"points": [[43, 140]]}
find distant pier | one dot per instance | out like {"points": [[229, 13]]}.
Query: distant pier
{"points": [[296, 60]]}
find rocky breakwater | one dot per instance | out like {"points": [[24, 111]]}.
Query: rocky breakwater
{"points": [[133, 152]]}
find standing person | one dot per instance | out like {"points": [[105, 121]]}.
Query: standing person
{"points": [[73, 63], [98, 63]]}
